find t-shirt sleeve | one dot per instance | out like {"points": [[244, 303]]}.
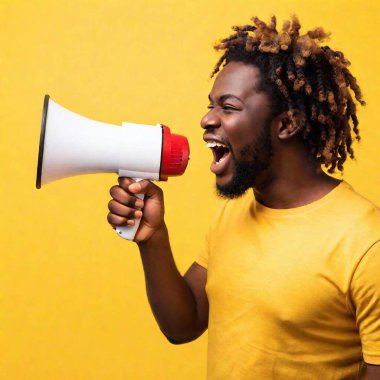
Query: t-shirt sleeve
{"points": [[365, 293], [202, 258]]}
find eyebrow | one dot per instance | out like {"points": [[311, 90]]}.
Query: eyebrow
{"points": [[226, 96]]}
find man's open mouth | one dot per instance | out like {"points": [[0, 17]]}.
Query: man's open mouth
{"points": [[221, 154], [220, 151]]}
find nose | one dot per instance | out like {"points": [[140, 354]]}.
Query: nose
{"points": [[211, 119]]}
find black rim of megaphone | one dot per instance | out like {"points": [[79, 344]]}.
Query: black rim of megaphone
{"points": [[42, 141]]}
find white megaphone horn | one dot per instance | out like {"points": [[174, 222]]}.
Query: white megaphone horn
{"points": [[71, 144]]}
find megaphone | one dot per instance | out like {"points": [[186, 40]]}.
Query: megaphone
{"points": [[71, 144]]}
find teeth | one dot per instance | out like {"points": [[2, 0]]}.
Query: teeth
{"points": [[214, 144], [220, 161]]}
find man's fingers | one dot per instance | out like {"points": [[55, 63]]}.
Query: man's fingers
{"points": [[116, 220], [124, 207], [123, 211], [120, 195]]}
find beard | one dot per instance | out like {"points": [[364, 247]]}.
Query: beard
{"points": [[255, 159]]}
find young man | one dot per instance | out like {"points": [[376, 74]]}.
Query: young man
{"points": [[288, 285]]}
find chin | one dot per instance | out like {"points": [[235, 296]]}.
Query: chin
{"points": [[243, 178], [224, 180], [232, 189]]}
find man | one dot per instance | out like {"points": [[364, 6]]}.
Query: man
{"points": [[288, 285]]}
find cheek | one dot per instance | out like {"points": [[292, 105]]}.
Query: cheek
{"points": [[240, 131]]}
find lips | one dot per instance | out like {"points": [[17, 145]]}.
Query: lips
{"points": [[221, 153]]}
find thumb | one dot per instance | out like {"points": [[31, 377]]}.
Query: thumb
{"points": [[147, 188]]}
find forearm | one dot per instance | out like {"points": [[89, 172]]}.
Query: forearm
{"points": [[170, 297], [373, 372]]}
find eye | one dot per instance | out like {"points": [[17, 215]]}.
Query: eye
{"points": [[228, 107], [210, 106]]}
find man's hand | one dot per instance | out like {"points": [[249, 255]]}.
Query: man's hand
{"points": [[125, 207]]}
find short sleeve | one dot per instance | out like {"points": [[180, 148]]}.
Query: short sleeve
{"points": [[202, 259], [365, 293]]}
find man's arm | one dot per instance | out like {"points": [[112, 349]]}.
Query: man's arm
{"points": [[373, 372], [179, 303]]}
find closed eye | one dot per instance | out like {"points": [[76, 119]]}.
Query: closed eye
{"points": [[226, 107], [230, 108]]}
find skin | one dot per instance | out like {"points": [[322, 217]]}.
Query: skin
{"points": [[373, 372], [179, 303], [242, 114], [293, 178], [237, 115]]}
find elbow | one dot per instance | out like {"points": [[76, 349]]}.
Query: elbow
{"points": [[178, 339]]}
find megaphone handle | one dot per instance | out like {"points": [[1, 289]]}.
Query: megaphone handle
{"points": [[129, 232]]}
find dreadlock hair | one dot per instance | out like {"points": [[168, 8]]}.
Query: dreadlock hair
{"points": [[300, 74]]}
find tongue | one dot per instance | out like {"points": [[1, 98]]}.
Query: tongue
{"points": [[220, 152]]}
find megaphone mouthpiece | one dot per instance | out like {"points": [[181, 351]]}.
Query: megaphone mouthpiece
{"points": [[175, 154]]}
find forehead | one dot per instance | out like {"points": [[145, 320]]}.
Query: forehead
{"points": [[237, 78]]}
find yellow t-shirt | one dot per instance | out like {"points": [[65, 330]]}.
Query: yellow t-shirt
{"points": [[294, 293]]}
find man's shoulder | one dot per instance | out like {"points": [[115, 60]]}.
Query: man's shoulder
{"points": [[360, 215], [354, 201]]}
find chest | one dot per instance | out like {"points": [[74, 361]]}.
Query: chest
{"points": [[286, 276]]}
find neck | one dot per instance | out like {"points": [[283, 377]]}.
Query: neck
{"points": [[294, 187]]}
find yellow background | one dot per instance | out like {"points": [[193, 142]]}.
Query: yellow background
{"points": [[72, 296]]}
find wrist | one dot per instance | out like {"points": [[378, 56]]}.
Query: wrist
{"points": [[160, 234]]}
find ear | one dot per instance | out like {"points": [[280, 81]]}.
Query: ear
{"points": [[290, 123]]}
